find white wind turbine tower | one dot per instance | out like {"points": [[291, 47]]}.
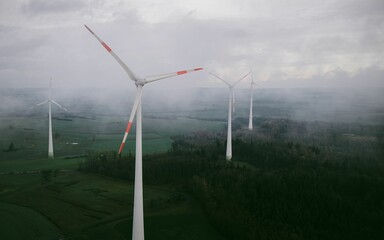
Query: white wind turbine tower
{"points": [[50, 101], [250, 125], [230, 110], [138, 213]]}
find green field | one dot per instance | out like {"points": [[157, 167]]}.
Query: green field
{"points": [[77, 136], [9, 166], [182, 221], [18, 222], [92, 124], [87, 206]]}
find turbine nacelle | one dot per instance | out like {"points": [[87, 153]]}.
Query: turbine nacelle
{"points": [[140, 82]]}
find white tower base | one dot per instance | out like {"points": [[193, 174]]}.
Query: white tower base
{"points": [[138, 210], [250, 125], [229, 128], [50, 140]]}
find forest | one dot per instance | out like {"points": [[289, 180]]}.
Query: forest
{"points": [[287, 180]]}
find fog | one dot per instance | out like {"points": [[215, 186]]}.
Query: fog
{"points": [[291, 44], [311, 61], [330, 105]]}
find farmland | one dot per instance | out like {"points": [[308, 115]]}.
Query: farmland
{"points": [[97, 123], [81, 206], [51, 199]]}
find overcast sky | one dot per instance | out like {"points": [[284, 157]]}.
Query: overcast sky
{"points": [[287, 43]]}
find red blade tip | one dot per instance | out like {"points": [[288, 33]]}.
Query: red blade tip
{"points": [[121, 147], [106, 46]]}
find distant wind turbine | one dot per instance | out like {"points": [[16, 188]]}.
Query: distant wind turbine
{"points": [[138, 215], [50, 101], [250, 125], [230, 110]]}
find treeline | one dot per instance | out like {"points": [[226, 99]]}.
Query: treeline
{"points": [[365, 141], [272, 189], [169, 168], [300, 203]]}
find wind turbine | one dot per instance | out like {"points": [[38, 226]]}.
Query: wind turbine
{"points": [[250, 125], [230, 110], [138, 213], [50, 101]]}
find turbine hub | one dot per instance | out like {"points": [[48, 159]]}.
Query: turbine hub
{"points": [[140, 82]]}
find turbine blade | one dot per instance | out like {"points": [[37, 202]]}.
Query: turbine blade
{"points": [[59, 105], [167, 75], [131, 117], [122, 64], [229, 85], [241, 79], [39, 104]]}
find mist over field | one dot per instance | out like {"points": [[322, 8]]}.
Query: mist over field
{"points": [[306, 104], [97, 117]]}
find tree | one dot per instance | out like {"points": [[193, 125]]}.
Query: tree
{"points": [[11, 147]]}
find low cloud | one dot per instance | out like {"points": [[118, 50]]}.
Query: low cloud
{"points": [[371, 77], [288, 44], [36, 7]]}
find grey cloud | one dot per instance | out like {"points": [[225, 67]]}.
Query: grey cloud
{"points": [[20, 47], [371, 77], [35, 7], [21, 44], [357, 8], [308, 37], [300, 45]]}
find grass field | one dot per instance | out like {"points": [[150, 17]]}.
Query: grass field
{"points": [[181, 221], [92, 124], [77, 136], [86, 206], [18, 222], [8, 166]]}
